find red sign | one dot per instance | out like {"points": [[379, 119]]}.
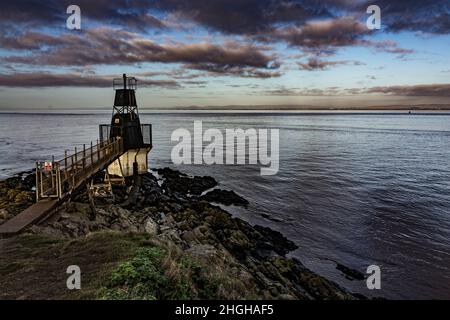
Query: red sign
{"points": [[48, 166]]}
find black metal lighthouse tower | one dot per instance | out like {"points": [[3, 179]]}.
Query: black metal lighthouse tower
{"points": [[126, 125]]}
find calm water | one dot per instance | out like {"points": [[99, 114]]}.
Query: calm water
{"points": [[358, 189]]}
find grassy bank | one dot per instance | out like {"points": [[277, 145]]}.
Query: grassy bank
{"points": [[113, 265]]}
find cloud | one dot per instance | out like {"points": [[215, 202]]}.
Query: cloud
{"points": [[44, 79], [256, 16], [234, 70], [337, 32], [242, 16], [28, 41], [430, 16], [134, 14], [387, 46], [105, 46], [315, 64], [231, 16], [324, 37], [424, 90], [317, 28], [284, 91]]}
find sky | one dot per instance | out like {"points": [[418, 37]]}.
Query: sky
{"points": [[224, 53]]}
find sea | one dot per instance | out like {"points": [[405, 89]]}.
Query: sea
{"points": [[359, 189]]}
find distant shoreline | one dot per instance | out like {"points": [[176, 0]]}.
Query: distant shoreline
{"points": [[302, 109], [240, 112]]}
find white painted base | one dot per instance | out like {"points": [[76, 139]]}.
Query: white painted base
{"points": [[123, 167]]}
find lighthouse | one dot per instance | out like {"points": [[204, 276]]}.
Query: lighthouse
{"points": [[126, 125]]}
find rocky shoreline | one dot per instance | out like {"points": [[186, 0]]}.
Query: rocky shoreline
{"points": [[175, 213]]}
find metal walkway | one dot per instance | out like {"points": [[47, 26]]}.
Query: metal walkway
{"points": [[57, 179]]}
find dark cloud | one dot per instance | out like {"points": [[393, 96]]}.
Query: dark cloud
{"points": [[255, 16], [130, 13], [338, 32], [322, 38], [232, 16], [31, 12], [432, 16], [424, 90], [315, 64], [234, 70], [108, 46], [44, 79], [29, 41], [283, 91], [428, 16], [228, 16], [243, 16], [317, 28]]}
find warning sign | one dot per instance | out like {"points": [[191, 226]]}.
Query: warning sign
{"points": [[48, 166]]}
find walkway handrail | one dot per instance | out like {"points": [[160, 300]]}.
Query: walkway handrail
{"points": [[61, 177]]}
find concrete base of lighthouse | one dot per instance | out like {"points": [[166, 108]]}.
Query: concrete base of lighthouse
{"points": [[123, 167]]}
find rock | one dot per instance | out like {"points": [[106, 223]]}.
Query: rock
{"points": [[83, 208], [124, 224], [202, 251], [178, 182], [350, 274], [151, 227], [164, 228], [16, 194], [4, 214], [172, 235], [286, 297], [189, 236], [65, 215], [274, 241], [272, 217], [237, 241], [224, 197], [120, 212]]}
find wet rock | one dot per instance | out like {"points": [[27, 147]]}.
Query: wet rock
{"points": [[274, 241], [350, 274], [151, 191], [272, 217], [178, 182], [224, 197]]}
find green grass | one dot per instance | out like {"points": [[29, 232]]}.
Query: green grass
{"points": [[156, 273], [115, 266]]}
